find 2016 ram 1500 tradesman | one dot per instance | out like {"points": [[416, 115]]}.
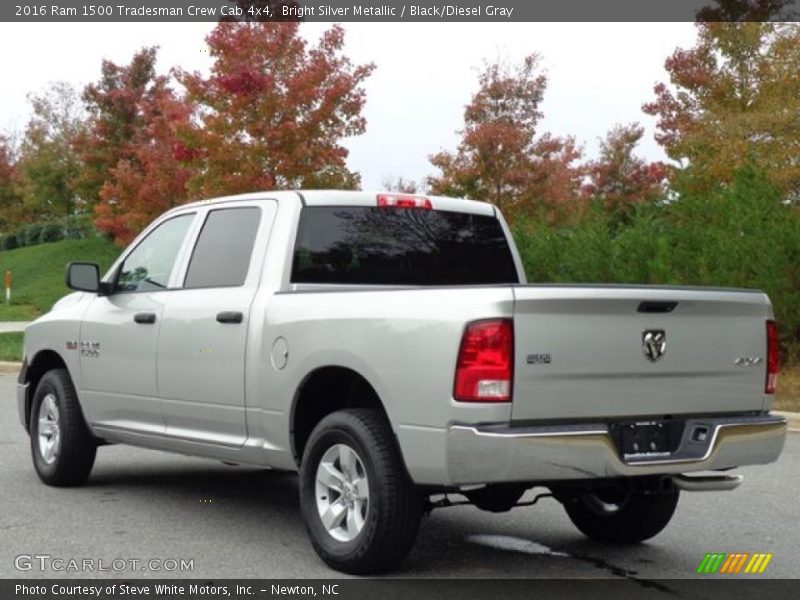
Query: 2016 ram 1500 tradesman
{"points": [[388, 347]]}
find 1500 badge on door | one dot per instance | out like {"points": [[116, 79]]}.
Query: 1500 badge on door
{"points": [[88, 349]]}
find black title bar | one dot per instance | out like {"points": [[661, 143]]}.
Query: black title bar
{"points": [[397, 11], [622, 588]]}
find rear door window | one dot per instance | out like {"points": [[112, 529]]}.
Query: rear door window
{"points": [[221, 256]]}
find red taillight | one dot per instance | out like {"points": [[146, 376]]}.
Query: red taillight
{"points": [[404, 201], [772, 357], [485, 362]]}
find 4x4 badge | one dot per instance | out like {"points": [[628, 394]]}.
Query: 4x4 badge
{"points": [[654, 344]]}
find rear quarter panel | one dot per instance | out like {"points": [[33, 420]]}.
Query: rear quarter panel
{"points": [[404, 342]]}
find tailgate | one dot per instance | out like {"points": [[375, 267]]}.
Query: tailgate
{"points": [[613, 351]]}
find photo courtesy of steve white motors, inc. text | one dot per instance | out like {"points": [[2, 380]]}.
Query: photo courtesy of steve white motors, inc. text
{"points": [[141, 589]]}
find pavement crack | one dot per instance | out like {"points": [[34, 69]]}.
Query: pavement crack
{"points": [[524, 546], [623, 573], [13, 526]]}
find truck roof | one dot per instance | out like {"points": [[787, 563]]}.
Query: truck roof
{"points": [[348, 198]]}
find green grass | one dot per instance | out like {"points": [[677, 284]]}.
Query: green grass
{"points": [[11, 346], [37, 273]]}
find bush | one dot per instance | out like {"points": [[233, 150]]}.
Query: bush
{"points": [[8, 242], [73, 232], [79, 227], [75, 227], [51, 232], [30, 235]]}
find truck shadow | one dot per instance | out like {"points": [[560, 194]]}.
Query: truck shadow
{"points": [[204, 482], [452, 542]]}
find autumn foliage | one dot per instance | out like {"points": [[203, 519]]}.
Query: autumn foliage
{"points": [[130, 171], [270, 115], [10, 200], [152, 178], [503, 159], [618, 178], [114, 105], [732, 101], [500, 159], [273, 111]]}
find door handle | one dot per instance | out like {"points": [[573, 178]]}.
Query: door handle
{"points": [[145, 318], [229, 316]]}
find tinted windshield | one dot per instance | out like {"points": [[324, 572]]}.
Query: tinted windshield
{"points": [[389, 246]]}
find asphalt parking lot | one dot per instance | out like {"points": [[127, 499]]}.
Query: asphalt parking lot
{"points": [[242, 522]]}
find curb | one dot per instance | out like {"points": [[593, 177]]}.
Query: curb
{"points": [[793, 419], [7, 366]]}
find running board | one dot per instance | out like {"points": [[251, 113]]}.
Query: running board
{"points": [[707, 483]]}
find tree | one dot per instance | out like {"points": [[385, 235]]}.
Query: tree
{"points": [[10, 199], [500, 159], [747, 10], [114, 104], [493, 160], [401, 185], [153, 178], [273, 111], [555, 178], [734, 100], [48, 164], [618, 178], [133, 159]]}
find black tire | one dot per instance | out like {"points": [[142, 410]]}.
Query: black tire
{"points": [[394, 508], [637, 516], [75, 451]]}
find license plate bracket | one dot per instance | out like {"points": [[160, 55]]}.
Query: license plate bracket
{"points": [[647, 439]]}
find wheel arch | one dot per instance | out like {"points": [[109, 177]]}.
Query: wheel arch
{"points": [[43, 361], [324, 390]]}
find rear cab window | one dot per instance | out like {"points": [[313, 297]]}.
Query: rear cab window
{"points": [[361, 245]]}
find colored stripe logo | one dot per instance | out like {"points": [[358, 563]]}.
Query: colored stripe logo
{"points": [[734, 563]]}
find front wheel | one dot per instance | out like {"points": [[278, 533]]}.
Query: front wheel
{"points": [[63, 450], [622, 516], [361, 510]]}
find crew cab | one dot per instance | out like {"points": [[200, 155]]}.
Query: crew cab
{"points": [[388, 348]]}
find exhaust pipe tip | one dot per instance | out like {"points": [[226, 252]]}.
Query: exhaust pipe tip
{"points": [[707, 483]]}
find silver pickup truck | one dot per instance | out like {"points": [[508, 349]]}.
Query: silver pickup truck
{"points": [[388, 348]]}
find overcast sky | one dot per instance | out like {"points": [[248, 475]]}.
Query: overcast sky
{"points": [[599, 75]]}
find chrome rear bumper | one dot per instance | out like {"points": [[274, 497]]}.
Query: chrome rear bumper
{"points": [[498, 453]]}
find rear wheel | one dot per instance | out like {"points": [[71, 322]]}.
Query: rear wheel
{"points": [[361, 510], [622, 516], [63, 451]]}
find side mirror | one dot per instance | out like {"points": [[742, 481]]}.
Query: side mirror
{"points": [[83, 277]]}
